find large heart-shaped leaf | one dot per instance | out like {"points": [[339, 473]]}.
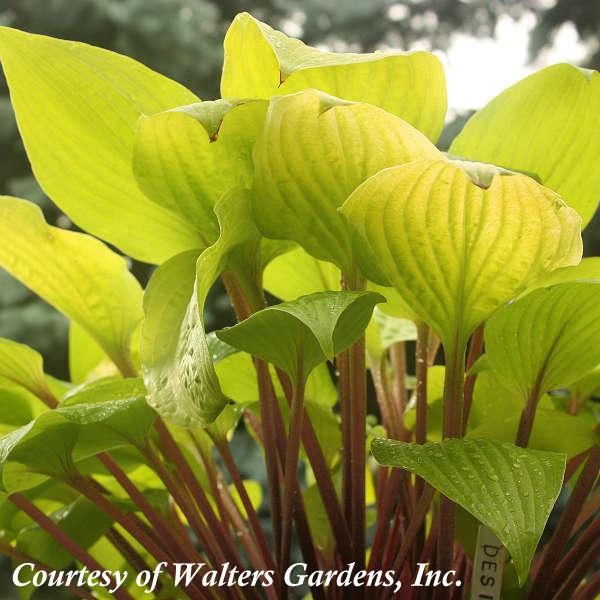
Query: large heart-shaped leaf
{"points": [[456, 251], [546, 125], [186, 158], [312, 328], [510, 490], [75, 273], [547, 339], [178, 367], [261, 62], [24, 366], [314, 151], [80, 150]]}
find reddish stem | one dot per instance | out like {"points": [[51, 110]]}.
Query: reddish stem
{"points": [[398, 362], [323, 478], [20, 558], [560, 537], [343, 366], [566, 566], [129, 553], [475, 350], [453, 398], [411, 532], [358, 419], [384, 514], [292, 455], [580, 569], [590, 590], [267, 400], [225, 453], [63, 539], [211, 545], [154, 518], [421, 368]]}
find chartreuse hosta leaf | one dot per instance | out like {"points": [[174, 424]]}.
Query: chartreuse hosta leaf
{"points": [[314, 151], [74, 272], [546, 125], [186, 158], [510, 490], [24, 366], [312, 328], [261, 62], [81, 149], [56, 440], [546, 340], [178, 367], [456, 251]]}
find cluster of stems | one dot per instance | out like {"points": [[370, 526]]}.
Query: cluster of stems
{"points": [[215, 531]]}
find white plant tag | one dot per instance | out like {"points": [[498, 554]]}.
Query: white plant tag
{"points": [[488, 566]]}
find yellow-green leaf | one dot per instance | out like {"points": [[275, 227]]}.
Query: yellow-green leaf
{"points": [[547, 125], [454, 250], [254, 492], [24, 366], [261, 62], [77, 107], [86, 357], [178, 368], [74, 272], [496, 411], [546, 340], [314, 151], [186, 158]]}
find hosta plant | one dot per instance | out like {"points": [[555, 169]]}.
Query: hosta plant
{"points": [[346, 242]]}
